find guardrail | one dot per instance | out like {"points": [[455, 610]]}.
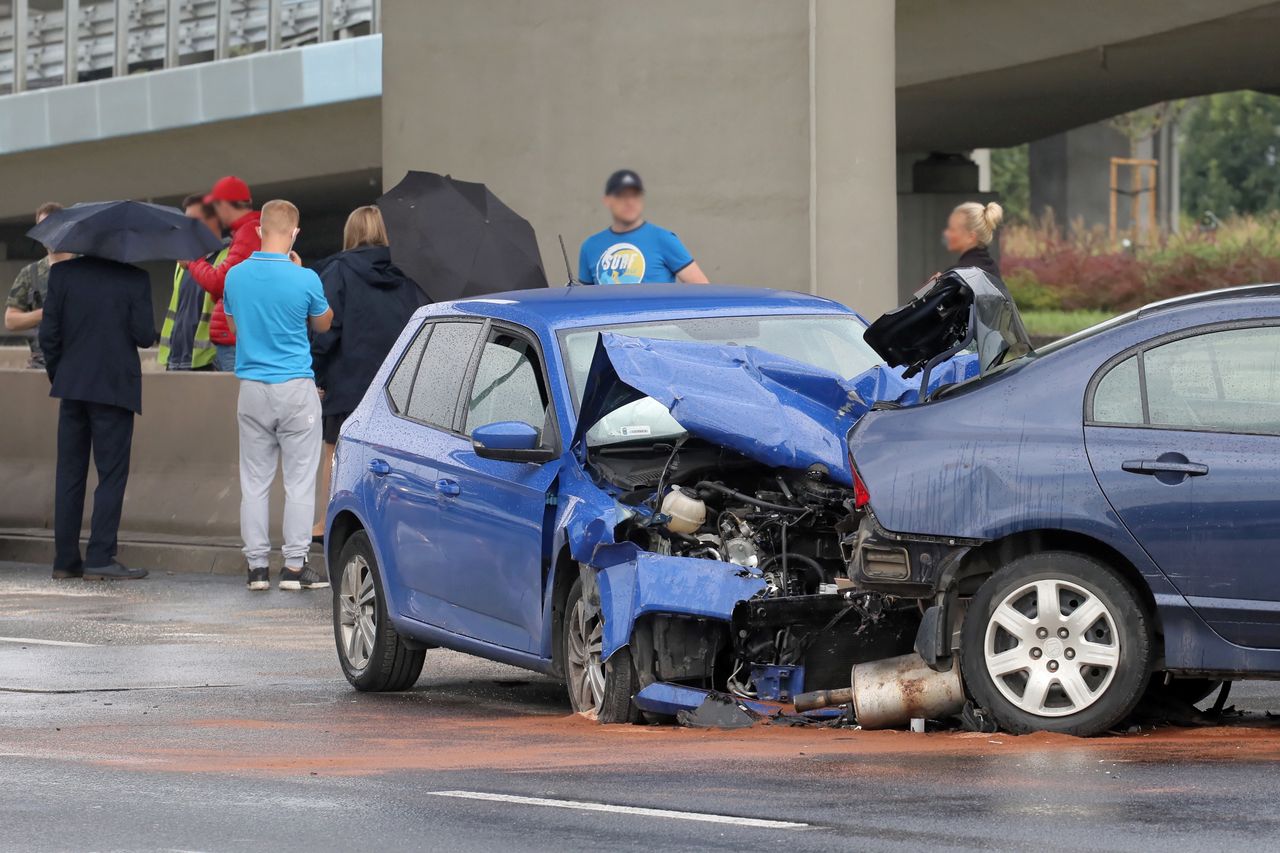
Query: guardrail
{"points": [[115, 38]]}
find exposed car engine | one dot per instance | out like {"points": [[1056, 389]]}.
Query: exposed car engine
{"points": [[783, 526], [700, 501]]}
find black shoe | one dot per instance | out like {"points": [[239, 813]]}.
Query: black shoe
{"points": [[114, 572], [67, 574], [259, 579], [303, 578]]}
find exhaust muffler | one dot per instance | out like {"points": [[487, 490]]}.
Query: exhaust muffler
{"points": [[893, 691]]}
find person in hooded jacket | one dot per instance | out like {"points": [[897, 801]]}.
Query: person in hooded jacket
{"points": [[372, 300]]}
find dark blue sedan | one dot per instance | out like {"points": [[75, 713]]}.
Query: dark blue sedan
{"points": [[1090, 521], [640, 490]]}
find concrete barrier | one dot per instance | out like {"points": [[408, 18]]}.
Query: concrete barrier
{"points": [[184, 493]]}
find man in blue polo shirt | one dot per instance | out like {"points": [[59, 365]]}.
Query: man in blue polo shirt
{"points": [[631, 250], [270, 301]]}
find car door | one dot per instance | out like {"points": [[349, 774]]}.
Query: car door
{"points": [[423, 394], [495, 514], [1184, 438]]}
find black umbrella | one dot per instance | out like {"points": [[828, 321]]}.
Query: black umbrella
{"points": [[126, 231], [457, 239]]}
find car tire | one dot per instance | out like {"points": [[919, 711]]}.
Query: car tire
{"points": [[1078, 671], [603, 689], [374, 657]]}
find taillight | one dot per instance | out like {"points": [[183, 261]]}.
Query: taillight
{"points": [[861, 497]]}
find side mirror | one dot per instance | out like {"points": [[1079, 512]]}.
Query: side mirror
{"points": [[510, 441]]}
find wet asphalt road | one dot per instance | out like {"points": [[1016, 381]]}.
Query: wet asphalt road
{"points": [[185, 713]]}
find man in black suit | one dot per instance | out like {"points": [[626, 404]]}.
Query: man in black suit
{"points": [[96, 315]]}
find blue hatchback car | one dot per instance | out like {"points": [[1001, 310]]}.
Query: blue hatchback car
{"points": [[596, 482], [1087, 518]]}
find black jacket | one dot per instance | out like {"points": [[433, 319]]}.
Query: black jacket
{"points": [[372, 301], [979, 257], [96, 315]]}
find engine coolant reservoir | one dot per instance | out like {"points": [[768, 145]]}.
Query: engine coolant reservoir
{"points": [[686, 511]]}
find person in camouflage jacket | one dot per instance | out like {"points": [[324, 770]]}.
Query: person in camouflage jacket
{"points": [[25, 306]]}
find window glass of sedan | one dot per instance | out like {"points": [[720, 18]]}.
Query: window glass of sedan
{"points": [[1223, 380], [1118, 399], [508, 385]]}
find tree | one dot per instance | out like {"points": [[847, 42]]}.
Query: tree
{"points": [[1231, 154], [1011, 179]]}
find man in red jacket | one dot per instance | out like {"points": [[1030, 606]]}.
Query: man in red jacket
{"points": [[233, 203]]}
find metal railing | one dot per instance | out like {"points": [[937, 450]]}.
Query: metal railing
{"points": [[114, 38]]}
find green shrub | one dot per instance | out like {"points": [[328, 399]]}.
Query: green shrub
{"points": [[1082, 271], [1030, 294]]}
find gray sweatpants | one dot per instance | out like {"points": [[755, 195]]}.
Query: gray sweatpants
{"points": [[279, 425]]}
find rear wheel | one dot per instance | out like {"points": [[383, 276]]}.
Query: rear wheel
{"points": [[373, 655], [1056, 642], [599, 688]]}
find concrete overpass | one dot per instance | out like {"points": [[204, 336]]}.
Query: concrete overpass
{"points": [[994, 73]]}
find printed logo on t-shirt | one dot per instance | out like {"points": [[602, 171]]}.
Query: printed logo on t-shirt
{"points": [[621, 263]]}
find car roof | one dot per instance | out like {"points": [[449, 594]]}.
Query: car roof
{"points": [[593, 305], [1249, 290]]}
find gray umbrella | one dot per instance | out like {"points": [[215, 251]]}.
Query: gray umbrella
{"points": [[126, 231]]}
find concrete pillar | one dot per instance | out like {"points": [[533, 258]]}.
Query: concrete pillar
{"points": [[1070, 174], [853, 154], [764, 129]]}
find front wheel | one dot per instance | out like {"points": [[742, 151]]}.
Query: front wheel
{"points": [[1056, 642], [596, 687], [373, 655]]}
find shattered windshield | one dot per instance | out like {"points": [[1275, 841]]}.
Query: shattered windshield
{"points": [[829, 342]]}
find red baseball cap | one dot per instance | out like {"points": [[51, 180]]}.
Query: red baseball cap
{"points": [[229, 188]]}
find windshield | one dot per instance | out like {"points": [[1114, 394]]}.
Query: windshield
{"points": [[829, 342]]}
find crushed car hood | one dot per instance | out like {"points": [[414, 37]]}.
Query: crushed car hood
{"points": [[775, 410], [961, 308]]}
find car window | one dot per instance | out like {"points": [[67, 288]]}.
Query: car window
{"points": [[401, 382], [1226, 380], [439, 379], [508, 385], [1118, 397]]}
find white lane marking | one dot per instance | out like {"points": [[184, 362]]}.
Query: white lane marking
{"points": [[761, 823], [27, 641]]}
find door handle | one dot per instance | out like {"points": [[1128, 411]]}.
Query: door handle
{"points": [[1162, 466], [449, 488], [379, 467]]}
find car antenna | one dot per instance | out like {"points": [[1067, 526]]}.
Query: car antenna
{"points": [[568, 267]]}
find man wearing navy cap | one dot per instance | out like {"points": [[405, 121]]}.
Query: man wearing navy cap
{"points": [[631, 250]]}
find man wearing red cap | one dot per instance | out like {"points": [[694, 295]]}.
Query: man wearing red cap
{"points": [[233, 203]]}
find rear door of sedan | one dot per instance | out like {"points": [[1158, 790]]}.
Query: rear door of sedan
{"points": [[1183, 435]]}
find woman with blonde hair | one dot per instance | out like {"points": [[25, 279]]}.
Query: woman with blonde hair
{"points": [[372, 301], [970, 230]]}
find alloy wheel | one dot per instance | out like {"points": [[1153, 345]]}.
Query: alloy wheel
{"points": [[585, 668], [358, 612], [1052, 648]]}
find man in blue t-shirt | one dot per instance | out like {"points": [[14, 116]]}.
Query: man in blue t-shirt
{"points": [[631, 250], [270, 301]]}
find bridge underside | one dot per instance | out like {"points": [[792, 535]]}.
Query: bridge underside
{"points": [[1179, 50]]}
